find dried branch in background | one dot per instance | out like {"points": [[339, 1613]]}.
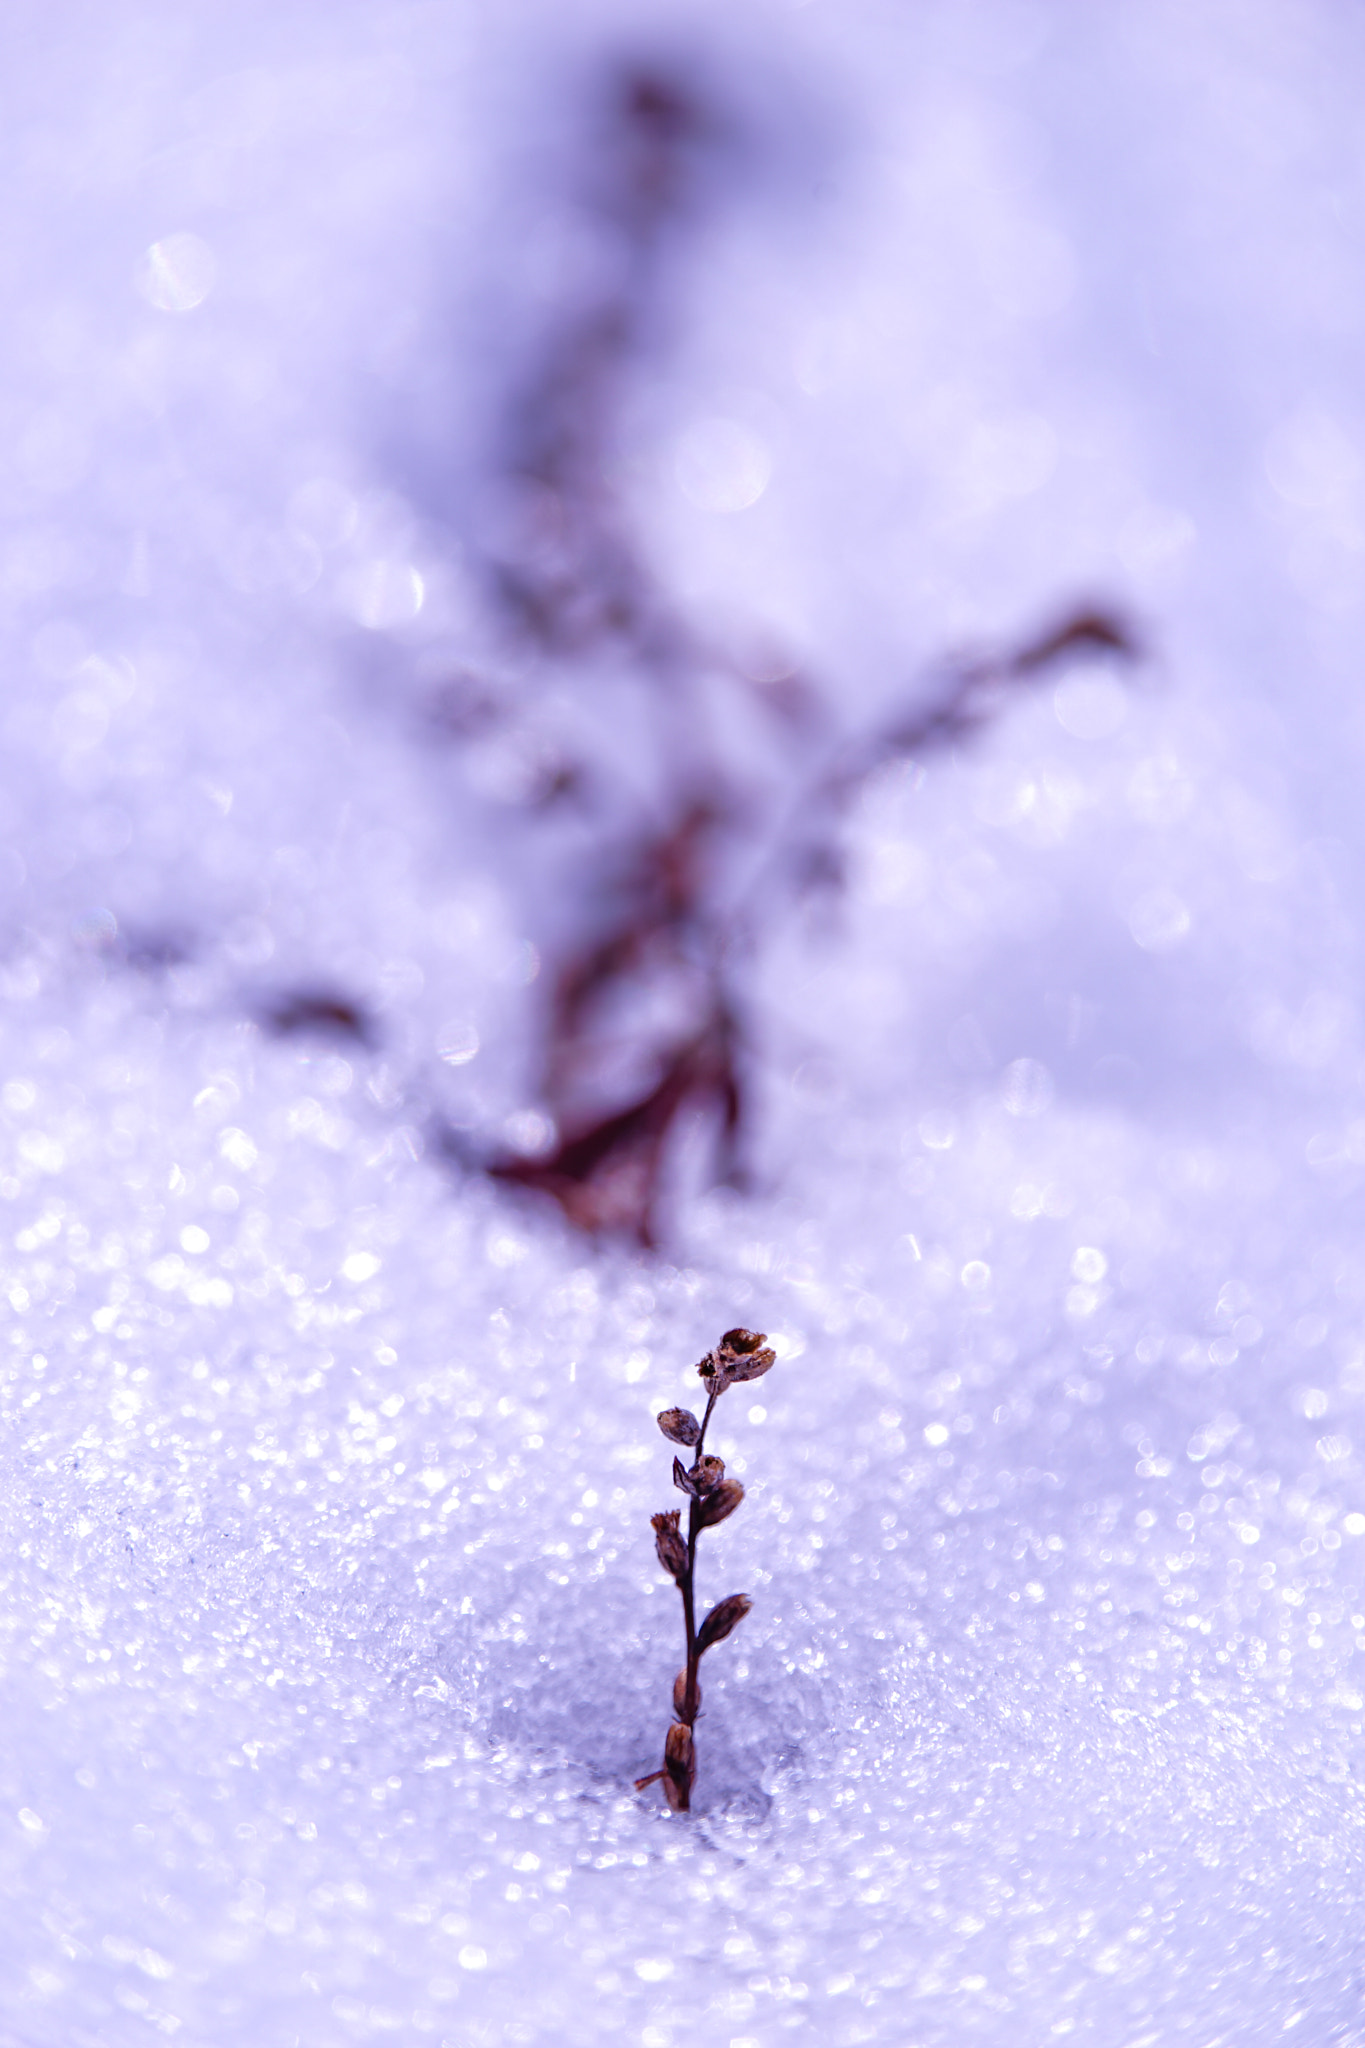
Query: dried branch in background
{"points": [[686, 861], [673, 927], [319, 1011], [567, 575], [608, 1176], [712, 1498], [647, 1016]]}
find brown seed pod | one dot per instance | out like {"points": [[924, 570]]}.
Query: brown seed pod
{"points": [[753, 1366], [717, 1506], [680, 1694], [680, 1426], [707, 1474], [724, 1616]]}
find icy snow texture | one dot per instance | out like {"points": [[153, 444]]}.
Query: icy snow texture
{"points": [[333, 1634]]}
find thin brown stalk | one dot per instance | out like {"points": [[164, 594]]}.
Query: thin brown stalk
{"points": [[712, 1498]]}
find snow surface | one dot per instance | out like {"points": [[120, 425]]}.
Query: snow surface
{"points": [[333, 1633]]}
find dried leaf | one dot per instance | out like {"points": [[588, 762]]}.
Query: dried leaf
{"points": [[720, 1504], [320, 1010], [684, 1481], [728, 1614], [680, 1426]]}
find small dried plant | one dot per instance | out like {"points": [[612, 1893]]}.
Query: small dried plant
{"points": [[711, 1498]]}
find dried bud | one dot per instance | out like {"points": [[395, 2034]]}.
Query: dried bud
{"points": [[669, 1543], [680, 1767], [719, 1504], [728, 1614], [680, 1694], [680, 1426], [707, 1474]]}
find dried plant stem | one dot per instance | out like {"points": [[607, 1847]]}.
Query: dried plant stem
{"points": [[686, 1586], [712, 1498]]}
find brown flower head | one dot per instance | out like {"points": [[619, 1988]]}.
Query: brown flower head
{"points": [[740, 1355], [669, 1543]]}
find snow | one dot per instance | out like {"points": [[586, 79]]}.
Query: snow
{"points": [[333, 1633]]}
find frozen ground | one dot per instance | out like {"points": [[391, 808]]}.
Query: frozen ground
{"points": [[333, 1636]]}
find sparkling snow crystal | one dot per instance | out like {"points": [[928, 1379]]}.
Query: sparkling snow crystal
{"points": [[436, 437]]}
